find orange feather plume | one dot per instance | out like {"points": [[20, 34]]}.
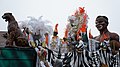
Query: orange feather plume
{"points": [[46, 39], [90, 35], [56, 26], [81, 10], [83, 28], [66, 33]]}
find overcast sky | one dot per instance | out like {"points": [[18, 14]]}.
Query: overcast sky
{"points": [[57, 11]]}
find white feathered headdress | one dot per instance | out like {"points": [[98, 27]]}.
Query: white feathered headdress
{"points": [[38, 26]]}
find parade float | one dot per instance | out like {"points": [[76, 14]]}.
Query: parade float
{"points": [[33, 43]]}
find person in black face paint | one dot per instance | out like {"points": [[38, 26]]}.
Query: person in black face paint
{"points": [[102, 24]]}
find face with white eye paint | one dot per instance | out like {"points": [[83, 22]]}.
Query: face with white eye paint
{"points": [[101, 23]]}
